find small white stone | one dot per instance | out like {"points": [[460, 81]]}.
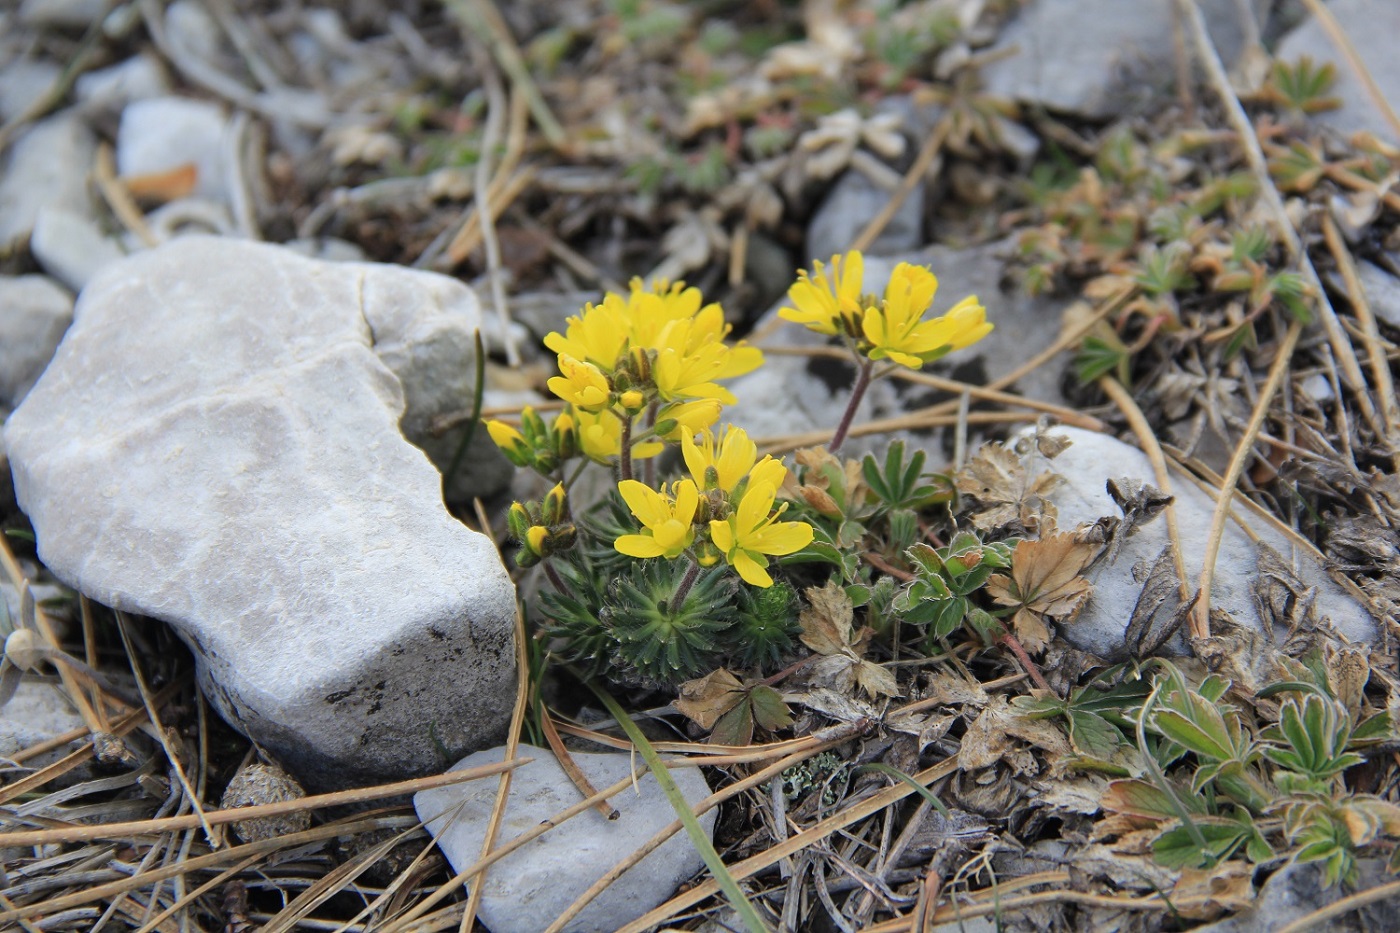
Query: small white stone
{"points": [[23, 83], [528, 889], [75, 13], [34, 315], [70, 247], [1093, 459], [159, 134], [48, 167], [138, 78]]}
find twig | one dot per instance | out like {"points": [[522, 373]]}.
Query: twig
{"points": [[517, 722], [118, 197], [1375, 351], [358, 795], [922, 163], [1200, 617], [482, 17], [490, 139], [771, 856]]}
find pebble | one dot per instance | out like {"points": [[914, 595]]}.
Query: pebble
{"points": [[67, 13], [1382, 292], [23, 83], [37, 712], [70, 247], [34, 315], [528, 889], [1371, 25], [1299, 890], [158, 134], [1097, 59], [1093, 459], [217, 445], [850, 205], [48, 167], [112, 88]]}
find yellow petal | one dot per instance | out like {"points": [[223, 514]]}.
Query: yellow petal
{"points": [[751, 570], [646, 503], [722, 534], [783, 538], [643, 546]]}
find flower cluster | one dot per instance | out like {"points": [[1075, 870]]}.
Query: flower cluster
{"points": [[893, 328], [724, 510]]}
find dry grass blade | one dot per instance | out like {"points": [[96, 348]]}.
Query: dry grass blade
{"points": [[137, 828], [756, 863], [920, 168], [1322, 918], [571, 768], [1200, 617]]}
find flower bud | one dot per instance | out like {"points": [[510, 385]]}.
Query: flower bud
{"points": [[632, 400], [554, 509], [518, 520], [565, 436], [511, 442], [535, 538]]}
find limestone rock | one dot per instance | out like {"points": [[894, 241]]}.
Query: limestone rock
{"points": [[48, 167], [1088, 463], [217, 445], [532, 886], [34, 314], [1371, 25], [1097, 59], [1382, 292], [115, 86]]}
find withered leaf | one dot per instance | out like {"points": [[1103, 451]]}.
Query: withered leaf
{"points": [[706, 699], [1161, 589], [1044, 577], [993, 734], [1140, 504], [1208, 893], [997, 480], [827, 629]]}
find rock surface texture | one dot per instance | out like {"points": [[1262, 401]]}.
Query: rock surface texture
{"points": [[1371, 26], [34, 315], [1088, 463], [216, 444], [1097, 59], [532, 886]]}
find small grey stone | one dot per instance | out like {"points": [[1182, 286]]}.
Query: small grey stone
{"points": [[34, 315], [528, 889], [48, 167], [1093, 459], [36, 713], [23, 83], [217, 445], [256, 784], [74, 13], [137, 78], [1371, 25], [1096, 58], [1382, 292], [70, 247], [191, 27], [1318, 388], [159, 134], [851, 204]]}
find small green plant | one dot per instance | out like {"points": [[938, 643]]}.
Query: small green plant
{"points": [[1303, 86]]}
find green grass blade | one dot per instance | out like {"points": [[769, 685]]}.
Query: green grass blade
{"points": [[698, 837]]}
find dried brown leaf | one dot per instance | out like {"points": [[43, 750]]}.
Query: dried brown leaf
{"points": [[708, 698], [826, 622], [1205, 894], [1044, 577]]}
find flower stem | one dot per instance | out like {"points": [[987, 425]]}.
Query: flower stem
{"points": [[624, 457], [687, 581], [554, 577], [857, 393]]}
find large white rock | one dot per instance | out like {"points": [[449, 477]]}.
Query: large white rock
{"points": [[216, 444], [528, 889], [1371, 25], [1093, 459]]}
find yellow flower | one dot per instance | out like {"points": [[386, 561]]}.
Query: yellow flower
{"points": [[896, 330], [720, 465], [598, 336], [667, 520], [582, 384], [751, 533], [600, 438], [828, 305], [511, 441], [687, 418]]}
